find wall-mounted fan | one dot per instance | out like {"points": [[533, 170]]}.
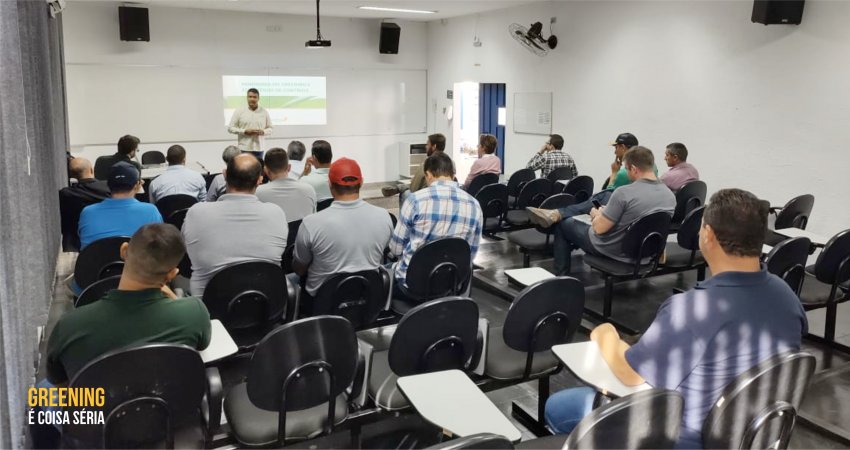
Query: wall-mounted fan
{"points": [[531, 38]]}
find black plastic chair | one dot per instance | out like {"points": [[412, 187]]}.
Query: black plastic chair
{"points": [[787, 260], [689, 197], [537, 239], [580, 187], [440, 268], [561, 173], [684, 254], [250, 299], [532, 194], [323, 204], [795, 213], [643, 243], [289, 251], [177, 218], [170, 204], [154, 397], [97, 290], [516, 182], [544, 314], [480, 181], [296, 382], [480, 441], [359, 297], [493, 199], [823, 279], [758, 409], [153, 157], [100, 259]]}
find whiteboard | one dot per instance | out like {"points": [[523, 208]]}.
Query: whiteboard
{"points": [[533, 112], [181, 104]]}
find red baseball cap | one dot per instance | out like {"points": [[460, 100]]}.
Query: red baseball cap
{"points": [[345, 172]]}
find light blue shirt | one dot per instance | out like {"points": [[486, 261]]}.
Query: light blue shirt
{"points": [[318, 178], [178, 179], [115, 217], [295, 169]]}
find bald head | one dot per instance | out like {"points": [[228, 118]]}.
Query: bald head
{"points": [[80, 169], [243, 174]]}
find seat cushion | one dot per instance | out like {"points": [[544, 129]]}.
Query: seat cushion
{"points": [[505, 363], [678, 257], [493, 223], [382, 386], [614, 267], [555, 441], [401, 307], [518, 217], [816, 294], [253, 426], [530, 239]]}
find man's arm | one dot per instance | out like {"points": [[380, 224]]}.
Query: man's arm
{"points": [[536, 162], [613, 350], [401, 234], [599, 222], [234, 127], [303, 254], [267, 130]]}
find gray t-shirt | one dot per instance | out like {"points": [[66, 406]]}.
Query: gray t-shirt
{"points": [[626, 205], [345, 237], [318, 178], [297, 200], [217, 188]]}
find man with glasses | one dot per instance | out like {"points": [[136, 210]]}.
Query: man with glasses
{"points": [[551, 156]]}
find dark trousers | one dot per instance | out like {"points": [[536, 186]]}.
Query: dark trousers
{"points": [[570, 234]]}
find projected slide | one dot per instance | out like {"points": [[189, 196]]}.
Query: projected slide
{"points": [[289, 100]]}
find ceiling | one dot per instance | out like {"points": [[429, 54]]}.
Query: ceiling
{"points": [[340, 8]]}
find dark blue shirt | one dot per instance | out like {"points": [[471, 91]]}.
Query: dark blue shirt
{"points": [[702, 339], [115, 217]]}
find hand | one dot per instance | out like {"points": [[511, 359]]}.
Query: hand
{"points": [[615, 166], [594, 212], [544, 149], [308, 165], [603, 330], [260, 132]]}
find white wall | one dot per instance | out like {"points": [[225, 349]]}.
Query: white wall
{"points": [[764, 108], [193, 40]]}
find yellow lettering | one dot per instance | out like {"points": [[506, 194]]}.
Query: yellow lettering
{"points": [[100, 397], [32, 397]]}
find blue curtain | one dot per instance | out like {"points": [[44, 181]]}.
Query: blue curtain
{"points": [[491, 97]]}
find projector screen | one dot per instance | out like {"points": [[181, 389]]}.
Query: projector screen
{"points": [[290, 100]]}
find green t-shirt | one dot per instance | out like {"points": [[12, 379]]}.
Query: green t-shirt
{"points": [[622, 178], [120, 319]]}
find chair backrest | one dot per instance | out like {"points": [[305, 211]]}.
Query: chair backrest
{"points": [[581, 187], [518, 179], [480, 441], [646, 238], [480, 181], [439, 268], [689, 197], [787, 260], [359, 297], [323, 204], [554, 202], [289, 251], [97, 290], [149, 390], [493, 199], [759, 407], [688, 235], [795, 213], [177, 218], [534, 192], [171, 203], [100, 259], [644, 420], [294, 226], [247, 296], [833, 263], [438, 335], [561, 173], [153, 157]]}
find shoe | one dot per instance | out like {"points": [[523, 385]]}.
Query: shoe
{"points": [[544, 218], [389, 190]]}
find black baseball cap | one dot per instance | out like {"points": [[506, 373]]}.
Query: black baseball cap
{"points": [[627, 139], [122, 176]]}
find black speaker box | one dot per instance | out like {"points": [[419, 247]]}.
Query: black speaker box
{"points": [[133, 23], [768, 12], [390, 34]]}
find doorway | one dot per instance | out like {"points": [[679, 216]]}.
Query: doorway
{"points": [[478, 108]]}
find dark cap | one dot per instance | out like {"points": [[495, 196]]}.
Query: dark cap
{"points": [[122, 176], [627, 139], [345, 172]]}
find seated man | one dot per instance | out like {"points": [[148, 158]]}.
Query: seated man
{"points": [[680, 171], [178, 179], [487, 161], [236, 228], [72, 199], [127, 147], [434, 143], [316, 169], [552, 157], [609, 223], [297, 200], [142, 310], [702, 339], [439, 211], [218, 185], [120, 215], [348, 236], [296, 151]]}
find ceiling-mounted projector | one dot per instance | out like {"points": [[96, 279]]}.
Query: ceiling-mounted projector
{"points": [[319, 42]]}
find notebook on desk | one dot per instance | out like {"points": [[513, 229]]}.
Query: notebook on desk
{"points": [[528, 276]]}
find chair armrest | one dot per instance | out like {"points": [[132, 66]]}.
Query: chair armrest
{"points": [[359, 378], [359, 395], [214, 395]]}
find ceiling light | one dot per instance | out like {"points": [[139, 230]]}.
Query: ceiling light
{"points": [[411, 11]]}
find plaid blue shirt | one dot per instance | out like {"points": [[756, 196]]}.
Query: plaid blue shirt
{"points": [[439, 211]]}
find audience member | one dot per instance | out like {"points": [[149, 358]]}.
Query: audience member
{"points": [[178, 179], [680, 171], [120, 215], [551, 156], [702, 339], [236, 228], [127, 147], [434, 143], [604, 236], [318, 176], [297, 200], [439, 211], [218, 185], [348, 236], [296, 152], [72, 199], [487, 161]]}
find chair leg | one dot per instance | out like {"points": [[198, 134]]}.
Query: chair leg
{"points": [[829, 327], [609, 295], [526, 260], [701, 273]]}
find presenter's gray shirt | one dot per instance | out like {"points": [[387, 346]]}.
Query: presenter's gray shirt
{"points": [[345, 237], [236, 228], [297, 200]]}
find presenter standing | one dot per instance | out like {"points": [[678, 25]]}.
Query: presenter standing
{"points": [[251, 124]]}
